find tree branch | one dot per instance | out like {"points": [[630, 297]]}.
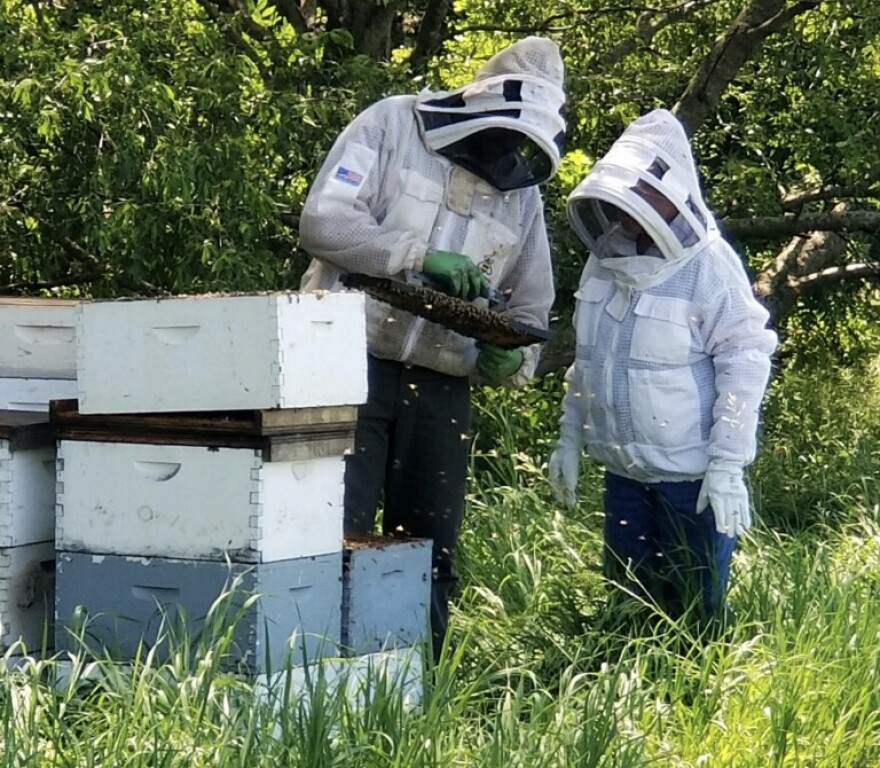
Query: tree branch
{"points": [[775, 227], [428, 38], [737, 45], [291, 11], [26, 287], [796, 200], [235, 38], [834, 275], [649, 23], [239, 9]]}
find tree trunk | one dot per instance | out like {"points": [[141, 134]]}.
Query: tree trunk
{"points": [[430, 34]]}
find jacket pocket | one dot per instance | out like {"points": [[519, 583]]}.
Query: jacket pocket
{"points": [[415, 207], [591, 298], [490, 244], [662, 332], [665, 407]]}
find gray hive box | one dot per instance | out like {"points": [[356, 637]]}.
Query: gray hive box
{"points": [[115, 603], [386, 593]]}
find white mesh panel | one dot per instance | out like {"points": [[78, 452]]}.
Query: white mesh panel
{"points": [[534, 56]]}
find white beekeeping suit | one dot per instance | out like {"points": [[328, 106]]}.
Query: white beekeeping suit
{"points": [[673, 352], [409, 176]]}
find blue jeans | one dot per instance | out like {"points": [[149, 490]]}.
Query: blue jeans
{"points": [[660, 548]]}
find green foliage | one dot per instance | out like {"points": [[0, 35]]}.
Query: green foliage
{"points": [[149, 148], [513, 423], [821, 445], [156, 147], [835, 328]]}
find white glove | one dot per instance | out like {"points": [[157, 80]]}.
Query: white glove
{"points": [[565, 464], [724, 488]]}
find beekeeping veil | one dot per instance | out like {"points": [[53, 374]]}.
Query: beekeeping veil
{"points": [[640, 210], [507, 125]]}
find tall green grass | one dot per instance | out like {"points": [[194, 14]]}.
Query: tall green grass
{"points": [[545, 666]]}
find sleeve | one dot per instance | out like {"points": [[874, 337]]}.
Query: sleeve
{"points": [[572, 418], [740, 345], [340, 218], [574, 402], [531, 285]]}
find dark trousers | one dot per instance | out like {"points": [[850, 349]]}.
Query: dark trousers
{"points": [[412, 445], [658, 546]]}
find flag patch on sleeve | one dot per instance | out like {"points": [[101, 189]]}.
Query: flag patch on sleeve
{"points": [[349, 176]]}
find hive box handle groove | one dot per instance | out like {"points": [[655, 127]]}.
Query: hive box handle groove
{"points": [[45, 334], [160, 471], [155, 594], [175, 334]]}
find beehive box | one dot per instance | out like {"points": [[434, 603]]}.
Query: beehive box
{"points": [[195, 502], [386, 593], [34, 394], [213, 353], [114, 603], [27, 479], [38, 338], [256, 486], [359, 678], [27, 589]]}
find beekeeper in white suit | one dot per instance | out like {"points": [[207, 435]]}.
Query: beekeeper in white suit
{"points": [[672, 361], [444, 184]]}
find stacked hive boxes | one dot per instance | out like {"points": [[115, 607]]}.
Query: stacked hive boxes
{"points": [[207, 444], [27, 565], [37, 363], [37, 353]]}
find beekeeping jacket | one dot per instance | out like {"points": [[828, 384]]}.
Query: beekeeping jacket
{"points": [[673, 353], [388, 193]]}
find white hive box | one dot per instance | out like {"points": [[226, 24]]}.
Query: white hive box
{"points": [[27, 479], [34, 394], [214, 353], [203, 489], [360, 678], [38, 338], [27, 589], [198, 503]]}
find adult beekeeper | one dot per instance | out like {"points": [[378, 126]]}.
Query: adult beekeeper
{"points": [[445, 185], [672, 361]]}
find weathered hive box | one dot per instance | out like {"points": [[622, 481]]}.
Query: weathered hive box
{"points": [[27, 479], [213, 353], [27, 593], [255, 487], [386, 593], [112, 604], [34, 394], [38, 338], [359, 678]]}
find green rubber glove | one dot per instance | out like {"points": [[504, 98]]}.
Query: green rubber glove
{"points": [[456, 274], [495, 364]]}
